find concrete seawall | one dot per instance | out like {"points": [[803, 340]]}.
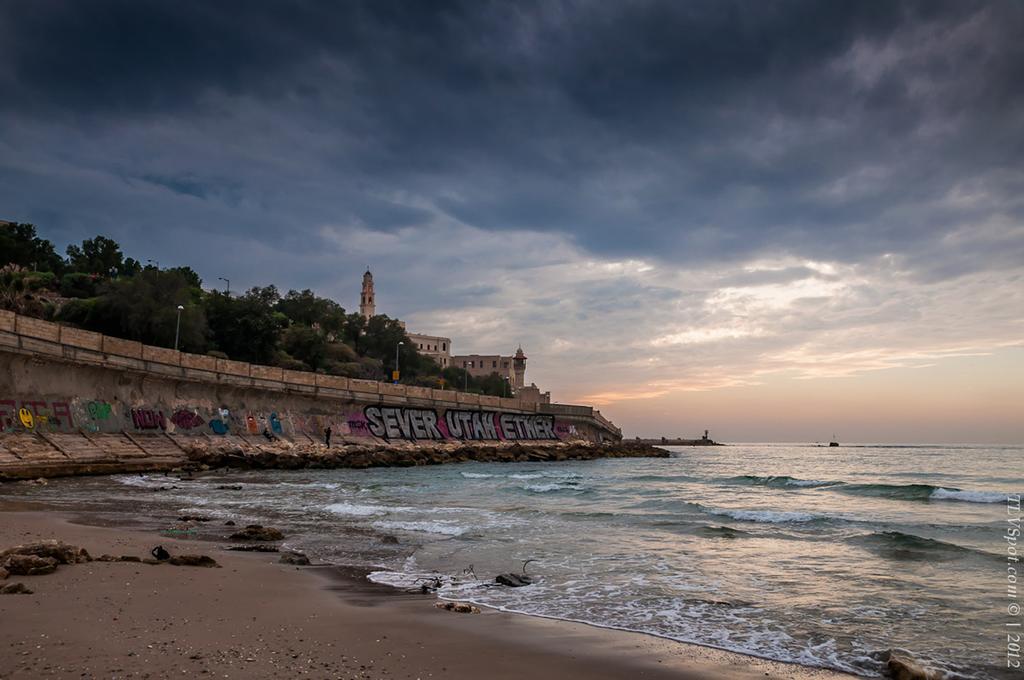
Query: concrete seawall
{"points": [[72, 401]]}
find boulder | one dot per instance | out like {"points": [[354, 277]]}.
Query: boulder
{"points": [[58, 550], [193, 518], [193, 561], [29, 565], [230, 487], [388, 539], [255, 532], [905, 667], [457, 607], [15, 588], [513, 580], [296, 558], [229, 523], [259, 547], [3, 573]]}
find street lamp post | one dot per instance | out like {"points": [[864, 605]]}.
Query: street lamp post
{"points": [[397, 347], [177, 328], [227, 285], [154, 262], [506, 387]]}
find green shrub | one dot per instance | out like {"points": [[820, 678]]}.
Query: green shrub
{"points": [[78, 285]]}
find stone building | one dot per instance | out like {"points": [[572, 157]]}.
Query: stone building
{"points": [[439, 348], [482, 365], [436, 347]]}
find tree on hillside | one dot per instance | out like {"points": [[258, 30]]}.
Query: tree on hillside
{"points": [[145, 308], [20, 245], [306, 345], [316, 312], [103, 256], [247, 327]]}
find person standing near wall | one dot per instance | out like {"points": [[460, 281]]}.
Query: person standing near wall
{"points": [[327, 436]]}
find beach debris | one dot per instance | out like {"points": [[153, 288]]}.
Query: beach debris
{"points": [[430, 584], [193, 518], [259, 547], [525, 562], [14, 588], [902, 666], [256, 532], [129, 558], [160, 554], [513, 580], [39, 481], [193, 561], [294, 557], [458, 607], [29, 565], [58, 550], [229, 487]]}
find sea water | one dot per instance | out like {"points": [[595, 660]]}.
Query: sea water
{"points": [[820, 556]]}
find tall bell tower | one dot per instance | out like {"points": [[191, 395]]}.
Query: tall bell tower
{"points": [[519, 369], [367, 307]]}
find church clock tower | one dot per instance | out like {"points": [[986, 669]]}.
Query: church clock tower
{"points": [[366, 304]]}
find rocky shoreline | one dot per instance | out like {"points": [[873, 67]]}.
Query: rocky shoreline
{"points": [[287, 456]]}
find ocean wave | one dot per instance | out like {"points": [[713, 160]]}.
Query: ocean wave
{"points": [[357, 510], [721, 532], [476, 475], [778, 481], [527, 475], [903, 546], [552, 486], [922, 492], [767, 516], [428, 527], [942, 494]]}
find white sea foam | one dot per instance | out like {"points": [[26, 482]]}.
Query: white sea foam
{"points": [[550, 486], [968, 496], [526, 475], [144, 481], [356, 510], [476, 475], [766, 516], [428, 527]]}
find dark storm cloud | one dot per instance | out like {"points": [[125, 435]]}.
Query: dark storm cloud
{"points": [[708, 131]]}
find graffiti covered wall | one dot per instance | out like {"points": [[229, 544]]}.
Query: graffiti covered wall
{"points": [[50, 397]]}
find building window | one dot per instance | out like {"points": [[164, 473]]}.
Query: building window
{"points": [[444, 346], [504, 364]]}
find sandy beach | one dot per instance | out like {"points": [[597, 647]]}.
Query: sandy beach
{"points": [[256, 618]]}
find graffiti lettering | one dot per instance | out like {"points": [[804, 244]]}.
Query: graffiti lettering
{"points": [[98, 410], [402, 423], [148, 419], [34, 414], [186, 420], [275, 424], [218, 427], [527, 427], [251, 424]]}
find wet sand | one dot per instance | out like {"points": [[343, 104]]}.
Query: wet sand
{"points": [[257, 618]]}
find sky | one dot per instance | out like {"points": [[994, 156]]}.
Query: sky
{"points": [[775, 220]]}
